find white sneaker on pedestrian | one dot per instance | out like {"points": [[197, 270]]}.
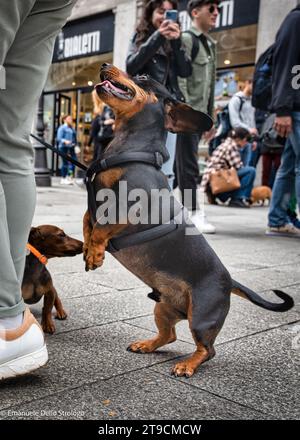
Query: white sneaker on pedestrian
{"points": [[288, 230], [69, 180], [201, 223], [63, 181], [23, 349]]}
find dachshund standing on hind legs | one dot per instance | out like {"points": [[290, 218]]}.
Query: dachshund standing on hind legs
{"points": [[187, 277]]}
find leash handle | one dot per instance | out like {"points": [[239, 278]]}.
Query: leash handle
{"points": [[59, 153]]}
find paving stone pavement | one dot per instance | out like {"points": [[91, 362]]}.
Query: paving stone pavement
{"points": [[90, 375]]}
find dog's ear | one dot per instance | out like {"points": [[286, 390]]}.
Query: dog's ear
{"points": [[151, 86], [35, 234], [181, 118]]}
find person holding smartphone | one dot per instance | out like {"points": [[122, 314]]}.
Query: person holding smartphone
{"points": [[156, 49]]}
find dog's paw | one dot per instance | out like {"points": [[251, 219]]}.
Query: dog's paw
{"points": [[183, 369], [61, 315], [141, 347], [94, 258], [48, 326]]}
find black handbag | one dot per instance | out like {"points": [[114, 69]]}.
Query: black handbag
{"points": [[271, 142]]}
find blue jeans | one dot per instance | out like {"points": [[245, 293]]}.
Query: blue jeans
{"points": [[287, 178], [247, 177], [66, 166], [168, 167]]}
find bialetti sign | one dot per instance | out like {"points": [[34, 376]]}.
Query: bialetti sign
{"points": [[234, 13], [81, 38], [85, 44]]}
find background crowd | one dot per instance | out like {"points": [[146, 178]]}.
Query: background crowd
{"points": [[185, 62]]}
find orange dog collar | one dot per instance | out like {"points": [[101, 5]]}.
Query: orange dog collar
{"points": [[37, 254]]}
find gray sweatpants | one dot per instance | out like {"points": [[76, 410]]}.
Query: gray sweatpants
{"points": [[27, 34]]}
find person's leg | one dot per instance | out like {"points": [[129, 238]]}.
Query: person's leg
{"points": [[266, 168], [65, 164], [276, 158], [295, 140], [187, 168], [28, 30], [71, 165], [167, 167], [283, 188], [247, 177]]}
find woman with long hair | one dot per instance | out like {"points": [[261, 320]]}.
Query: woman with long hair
{"points": [[102, 126], [230, 154], [156, 50]]}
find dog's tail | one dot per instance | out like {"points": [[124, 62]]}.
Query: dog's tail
{"points": [[244, 292]]}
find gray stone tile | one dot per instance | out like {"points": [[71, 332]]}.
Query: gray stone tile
{"points": [[139, 395], [112, 274], [81, 357], [260, 371], [100, 308]]}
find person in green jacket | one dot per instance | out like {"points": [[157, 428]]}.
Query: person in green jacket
{"points": [[198, 90]]}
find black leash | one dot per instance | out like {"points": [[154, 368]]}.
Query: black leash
{"points": [[57, 151]]}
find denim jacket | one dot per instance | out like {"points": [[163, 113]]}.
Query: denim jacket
{"points": [[66, 133]]}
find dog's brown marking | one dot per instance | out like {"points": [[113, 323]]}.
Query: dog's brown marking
{"points": [[173, 291], [87, 232], [49, 298], [238, 292], [189, 366], [61, 314], [123, 109], [98, 242], [166, 317], [109, 177]]}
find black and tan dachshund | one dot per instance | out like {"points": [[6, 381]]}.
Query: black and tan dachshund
{"points": [[46, 242], [187, 277]]}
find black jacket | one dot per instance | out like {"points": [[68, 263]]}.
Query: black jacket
{"points": [[286, 99], [150, 58]]}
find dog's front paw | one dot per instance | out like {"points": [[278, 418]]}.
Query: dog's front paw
{"points": [[183, 369], [61, 315], [48, 326], [85, 251], [141, 347], [94, 258]]}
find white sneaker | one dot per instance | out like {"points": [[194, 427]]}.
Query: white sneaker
{"points": [[69, 180], [288, 230], [63, 181], [202, 224], [23, 349]]}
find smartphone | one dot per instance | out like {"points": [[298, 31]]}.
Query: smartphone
{"points": [[172, 15]]}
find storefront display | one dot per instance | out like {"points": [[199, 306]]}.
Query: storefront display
{"points": [[80, 49]]}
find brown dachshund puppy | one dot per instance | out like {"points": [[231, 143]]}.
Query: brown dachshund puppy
{"points": [[260, 194], [46, 242], [187, 278]]}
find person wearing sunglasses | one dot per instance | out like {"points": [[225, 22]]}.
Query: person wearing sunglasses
{"points": [[198, 90]]}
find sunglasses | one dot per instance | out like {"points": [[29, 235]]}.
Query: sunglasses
{"points": [[212, 9]]}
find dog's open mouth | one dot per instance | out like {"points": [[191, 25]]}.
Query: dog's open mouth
{"points": [[115, 89]]}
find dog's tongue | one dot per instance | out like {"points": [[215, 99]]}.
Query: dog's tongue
{"points": [[108, 84]]}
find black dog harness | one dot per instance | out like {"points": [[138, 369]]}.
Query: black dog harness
{"points": [[153, 159], [134, 239]]}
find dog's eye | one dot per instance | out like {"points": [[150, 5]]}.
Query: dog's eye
{"points": [[61, 234]]}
